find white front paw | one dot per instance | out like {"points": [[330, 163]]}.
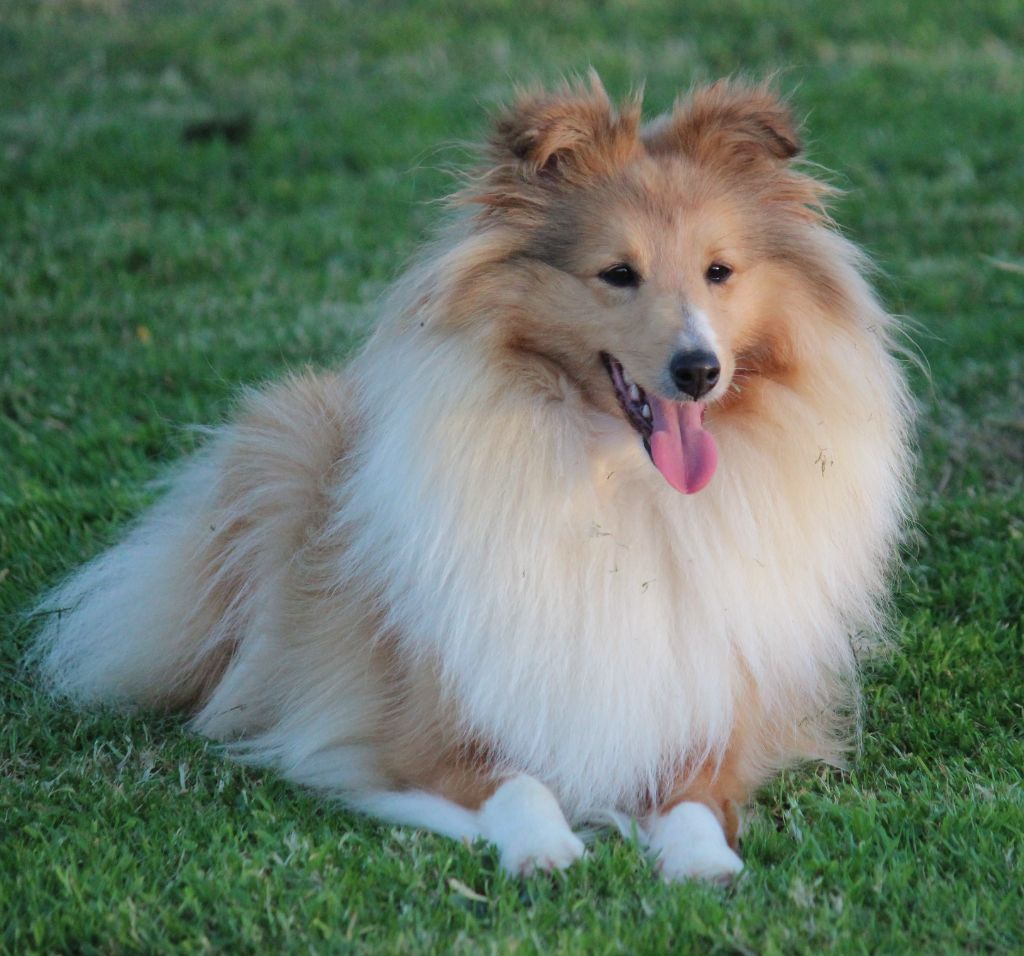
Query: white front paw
{"points": [[714, 864], [542, 849], [525, 822], [688, 844]]}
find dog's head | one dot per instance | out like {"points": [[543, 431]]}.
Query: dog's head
{"points": [[660, 265]]}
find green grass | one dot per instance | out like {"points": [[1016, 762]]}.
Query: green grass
{"points": [[143, 277]]}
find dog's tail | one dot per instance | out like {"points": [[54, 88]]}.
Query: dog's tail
{"points": [[155, 620], [117, 630]]}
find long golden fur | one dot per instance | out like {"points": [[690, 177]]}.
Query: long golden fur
{"points": [[453, 564]]}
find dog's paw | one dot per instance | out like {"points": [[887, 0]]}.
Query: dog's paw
{"points": [[688, 844], [544, 849], [524, 821], [713, 864]]}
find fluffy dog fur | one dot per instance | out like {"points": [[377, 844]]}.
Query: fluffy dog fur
{"points": [[448, 583]]}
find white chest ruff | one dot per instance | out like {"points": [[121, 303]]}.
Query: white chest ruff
{"points": [[592, 635], [591, 624]]}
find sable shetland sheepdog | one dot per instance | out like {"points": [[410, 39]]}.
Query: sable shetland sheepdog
{"points": [[589, 526]]}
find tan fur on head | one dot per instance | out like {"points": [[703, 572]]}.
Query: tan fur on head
{"points": [[728, 124], [574, 132], [548, 140]]}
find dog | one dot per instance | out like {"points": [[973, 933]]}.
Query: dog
{"points": [[595, 526]]}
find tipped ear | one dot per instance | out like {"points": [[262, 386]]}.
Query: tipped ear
{"points": [[728, 123], [572, 134]]}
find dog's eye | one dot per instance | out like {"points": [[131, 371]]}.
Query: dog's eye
{"points": [[717, 273], [621, 276]]}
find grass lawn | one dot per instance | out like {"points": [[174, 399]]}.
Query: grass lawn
{"points": [[152, 260]]}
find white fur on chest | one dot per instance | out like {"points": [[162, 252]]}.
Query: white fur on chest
{"points": [[591, 623]]}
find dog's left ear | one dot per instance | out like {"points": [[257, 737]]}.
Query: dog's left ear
{"points": [[547, 140], [728, 124]]}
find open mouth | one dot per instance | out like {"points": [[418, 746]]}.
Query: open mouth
{"points": [[632, 399], [672, 433]]}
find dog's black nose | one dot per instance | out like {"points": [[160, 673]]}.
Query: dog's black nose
{"points": [[695, 373]]}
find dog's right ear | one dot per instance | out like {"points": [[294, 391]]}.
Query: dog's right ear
{"points": [[728, 124], [549, 139], [744, 131]]}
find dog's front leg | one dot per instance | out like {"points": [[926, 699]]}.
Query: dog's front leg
{"points": [[694, 832], [523, 819], [688, 842]]}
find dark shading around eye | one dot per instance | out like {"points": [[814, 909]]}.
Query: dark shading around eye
{"points": [[621, 276], [717, 273]]}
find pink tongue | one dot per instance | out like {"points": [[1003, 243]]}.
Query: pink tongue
{"points": [[682, 451]]}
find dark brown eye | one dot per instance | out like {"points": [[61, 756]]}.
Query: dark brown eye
{"points": [[621, 276], [717, 273]]}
